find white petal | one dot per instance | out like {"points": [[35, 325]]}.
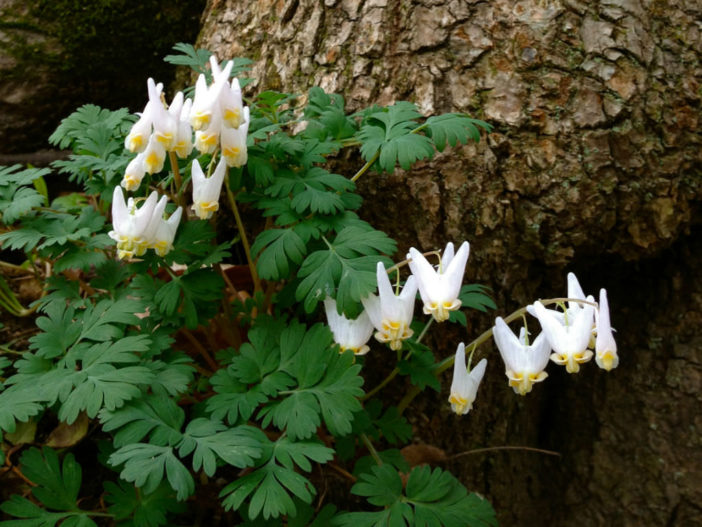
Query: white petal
{"points": [[425, 274]]}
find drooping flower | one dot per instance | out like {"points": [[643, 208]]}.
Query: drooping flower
{"points": [[206, 190], [568, 337], [165, 233], [439, 289], [207, 139], [130, 224], [140, 132], [184, 140], [349, 334], [391, 314], [234, 142], [154, 156], [134, 173], [464, 386], [232, 105], [605, 347], [524, 363]]}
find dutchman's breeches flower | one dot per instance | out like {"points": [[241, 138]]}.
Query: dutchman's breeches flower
{"points": [[524, 364], [165, 233], [605, 347], [440, 289], [349, 334], [206, 190], [570, 337], [130, 225], [234, 143], [391, 314], [464, 386], [134, 173]]}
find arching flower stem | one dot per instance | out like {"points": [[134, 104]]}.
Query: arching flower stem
{"points": [[484, 337]]}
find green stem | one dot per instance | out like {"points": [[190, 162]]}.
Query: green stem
{"points": [[244, 239], [374, 454], [176, 177], [396, 370], [365, 167]]}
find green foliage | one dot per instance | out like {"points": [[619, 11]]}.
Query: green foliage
{"points": [[57, 488], [194, 374], [431, 498], [419, 366], [347, 266], [134, 508], [270, 486], [17, 198], [391, 132]]}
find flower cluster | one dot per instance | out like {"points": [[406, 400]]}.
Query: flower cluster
{"points": [[137, 229], [158, 130], [219, 116], [221, 123], [565, 337], [391, 310], [568, 333]]}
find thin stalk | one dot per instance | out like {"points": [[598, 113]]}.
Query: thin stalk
{"points": [[497, 448], [242, 233], [200, 349], [374, 454], [176, 177], [14, 267], [396, 370], [365, 167]]}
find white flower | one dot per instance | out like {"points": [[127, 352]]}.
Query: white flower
{"points": [[465, 384], [140, 133], [234, 142], [439, 290], [184, 139], [391, 314], [165, 233], [207, 140], [524, 364], [206, 102], [165, 122], [206, 190], [568, 337], [131, 225], [134, 173], [348, 334], [154, 156], [605, 347], [232, 105]]}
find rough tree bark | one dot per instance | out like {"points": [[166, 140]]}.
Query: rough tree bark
{"points": [[594, 166]]}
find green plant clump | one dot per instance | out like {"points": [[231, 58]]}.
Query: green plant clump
{"points": [[176, 383]]}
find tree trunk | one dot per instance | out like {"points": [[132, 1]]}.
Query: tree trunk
{"points": [[594, 166]]}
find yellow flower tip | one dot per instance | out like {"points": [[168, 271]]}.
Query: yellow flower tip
{"points": [[200, 120], [162, 247], [232, 116], [356, 351], [165, 139], [205, 209], [124, 255], [135, 142], [607, 360], [460, 405], [441, 310], [153, 163], [130, 183]]}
